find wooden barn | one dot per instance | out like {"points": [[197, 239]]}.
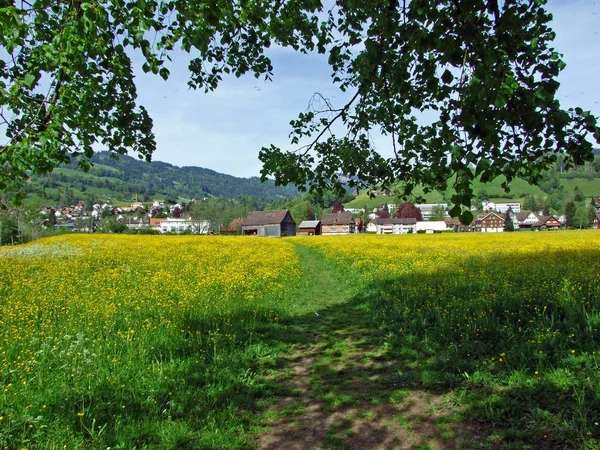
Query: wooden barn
{"points": [[269, 223], [310, 228]]}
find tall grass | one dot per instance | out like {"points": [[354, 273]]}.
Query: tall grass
{"points": [[510, 322]]}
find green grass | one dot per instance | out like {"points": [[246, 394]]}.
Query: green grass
{"points": [[590, 188], [369, 349], [518, 189]]}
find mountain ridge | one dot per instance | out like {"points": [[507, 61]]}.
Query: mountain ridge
{"points": [[126, 176]]}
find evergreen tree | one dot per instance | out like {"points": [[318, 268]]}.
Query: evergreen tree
{"points": [[508, 220], [578, 195], [592, 212], [570, 214]]}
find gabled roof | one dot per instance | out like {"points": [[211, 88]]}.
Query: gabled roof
{"points": [[452, 221], [339, 218], [544, 219], [396, 221], [265, 218], [491, 214], [310, 224], [524, 215]]}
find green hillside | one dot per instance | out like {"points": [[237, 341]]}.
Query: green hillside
{"points": [[494, 191], [127, 178]]}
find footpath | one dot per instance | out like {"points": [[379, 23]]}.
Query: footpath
{"points": [[340, 385]]}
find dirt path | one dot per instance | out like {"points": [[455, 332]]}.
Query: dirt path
{"points": [[347, 389]]}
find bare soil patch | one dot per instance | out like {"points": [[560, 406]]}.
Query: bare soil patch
{"points": [[347, 394]]}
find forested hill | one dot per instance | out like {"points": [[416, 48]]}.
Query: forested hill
{"points": [[121, 178]]}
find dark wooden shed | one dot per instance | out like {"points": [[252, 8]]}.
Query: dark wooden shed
{"points": [[269, 223]]}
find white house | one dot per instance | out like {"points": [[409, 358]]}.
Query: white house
{"points": [[395, 226], [172, 225], [371, 227], [526, 219], [501, 207]]}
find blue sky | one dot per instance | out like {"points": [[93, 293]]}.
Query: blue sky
{"points": [[224, 130]]}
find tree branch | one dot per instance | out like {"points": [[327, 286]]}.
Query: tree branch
{"points": [[328, 126]]}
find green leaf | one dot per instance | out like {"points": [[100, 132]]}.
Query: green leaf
{"points": [[164, 73], [29, 80], [466, 217]]}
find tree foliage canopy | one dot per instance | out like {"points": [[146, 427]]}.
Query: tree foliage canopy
{"points": [[463, 88], [409, 211]]}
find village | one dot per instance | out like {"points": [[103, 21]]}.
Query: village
{"points": [[158, 218]]}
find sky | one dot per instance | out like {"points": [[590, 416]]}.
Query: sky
{"points": [[224, 130]]}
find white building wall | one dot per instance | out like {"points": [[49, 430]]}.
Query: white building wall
{"points": [[492, 230], [181, 225], [437, 225]]}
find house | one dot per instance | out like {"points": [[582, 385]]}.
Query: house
{"points": [[491, 223], [371, 227], [547, 223], [134, 223], [526, 219], [310, 228], [269, 223], [396, 226], [155, 222], [338, 223], [595, 223], [452, 223], [501, 207], [175, 225]]}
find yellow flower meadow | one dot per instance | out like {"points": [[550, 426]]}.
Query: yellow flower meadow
{"points": [[83, 311], [522, 295]]}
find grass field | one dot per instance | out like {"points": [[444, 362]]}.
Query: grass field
{"points": [[518, 189], [425, 341]]}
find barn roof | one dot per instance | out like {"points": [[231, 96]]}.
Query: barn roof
{"points": [[264, 217], [309, 224], [339, 218]]}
